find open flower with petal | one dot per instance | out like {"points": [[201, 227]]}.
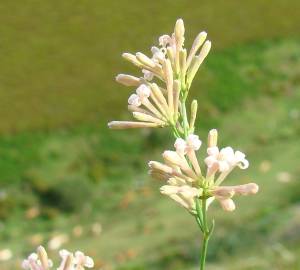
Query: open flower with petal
{"points": [[182, 172], [219, 164], [185, 181]]}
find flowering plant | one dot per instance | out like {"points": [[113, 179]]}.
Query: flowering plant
{"points": [[70, 261], [160, 101]]}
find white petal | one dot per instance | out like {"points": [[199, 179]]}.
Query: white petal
{"points": [[89, 262], [193, 142], [244, 164], [63, 253], [134, 100], [213, 151], [210, 161], [239, 156], [148, 75], [223, 166], [180, 146], [143, 91]]}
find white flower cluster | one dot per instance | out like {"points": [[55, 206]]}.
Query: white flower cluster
{"points": [[185, 181], [70, 261], [155, 105]]}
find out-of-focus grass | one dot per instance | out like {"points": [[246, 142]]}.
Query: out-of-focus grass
{"points": [[95, 175], [59, 58]]}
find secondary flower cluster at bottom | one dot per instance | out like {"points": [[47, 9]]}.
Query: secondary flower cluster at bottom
{"points": [[70, 261], [185, 180]]}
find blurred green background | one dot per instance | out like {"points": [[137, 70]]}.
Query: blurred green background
{"points": [[67, 181]]}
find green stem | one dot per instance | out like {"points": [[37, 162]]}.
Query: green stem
{"points": [[206, 235], [204, 251]]}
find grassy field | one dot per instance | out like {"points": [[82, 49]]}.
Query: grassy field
{"points": [[93, 175], [65, 176], [59, 58]]}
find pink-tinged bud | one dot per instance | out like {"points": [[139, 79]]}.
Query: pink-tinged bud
{"points": [[128, 80], [247, 189], [42, 254], [145, 60], [179, 33], [176, 94], [173, 158], [199, 40], [168, 72], [147, 118], [130, 124], [132, 58], [194, 109], [157, 166], [227, 205], [223, 192]]}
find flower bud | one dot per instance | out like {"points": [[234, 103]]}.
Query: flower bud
{"points": [[42, 254], [128, 80], [176, 94], [157, 166], [196, 45], [145, 60], [227, 205], [179, 33], [130, 124], [132, 58], [247, 189], [167, 69], [182, 62], [194, 108], [197, 61], [147, 118], [212, 139]]}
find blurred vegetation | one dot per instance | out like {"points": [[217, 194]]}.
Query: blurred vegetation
{"points": [[65, 176]]}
